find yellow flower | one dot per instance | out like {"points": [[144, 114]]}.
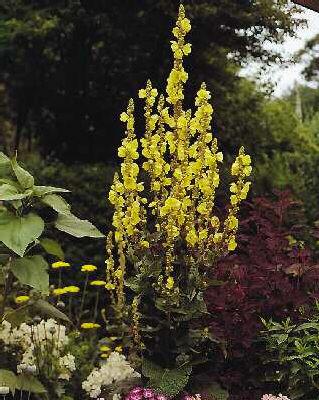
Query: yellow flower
{"points": [[98, 283], [170, 283], [104, 349], [232, 222], [187, 49], [88, 268], [142, 93], [186, 25], [217, 237], [90, 325], [71, 289], [191, 237], [59, 291], [145, 243], [119, 349], [22, 299], [123, 117], [232, 244], [118, 273], [60, 264], [110, 286]]}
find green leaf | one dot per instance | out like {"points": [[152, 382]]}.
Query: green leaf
{"points": [[18, 232], [57, 203], [23, 382], [46, 309], [25, 179], [17, 316], [32, 271], [173, 381], [169, 382], [5, 166], [4, 159], [8, 378], [77, 227], [52, 247], [151, 370], [43, 190], [9, 192], [29, 383]]}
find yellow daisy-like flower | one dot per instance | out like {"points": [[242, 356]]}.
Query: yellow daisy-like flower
{"points": [[60, 264], [119, 349], [71, 289], [90, 325], [59, 291], [22, 299], [88, 268], [98, 283]]}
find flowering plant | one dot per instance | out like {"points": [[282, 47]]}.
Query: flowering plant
{"points": [[168, 239]]}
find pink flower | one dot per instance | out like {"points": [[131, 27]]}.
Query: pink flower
{"points": [[272, 397], [161, 397], [148, 393]]}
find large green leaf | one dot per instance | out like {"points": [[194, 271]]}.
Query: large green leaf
{"points": [[18, 232], [9, 192], [57, 203], [77, 227], [32, 271], [43, 190], [25, 179], [52, 247]]}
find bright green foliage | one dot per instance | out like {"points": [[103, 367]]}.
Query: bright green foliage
{"points": [[21, 240], [292, 356]]}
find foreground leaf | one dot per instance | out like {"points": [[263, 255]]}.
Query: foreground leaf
{"points": [[24, 177], [9, 192], [18, 232], [32, 271], [77, 227], [52, 247], [43, 190], [57, 203]]}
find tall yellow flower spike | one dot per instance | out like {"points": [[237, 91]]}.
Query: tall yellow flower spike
{"points": [[181, 159]]}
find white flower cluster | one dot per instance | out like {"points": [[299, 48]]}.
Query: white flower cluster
{"points": [[38, 344], [115, 369], [272, 397]]}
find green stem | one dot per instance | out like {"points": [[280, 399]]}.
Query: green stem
{"points": [[82, 299]]}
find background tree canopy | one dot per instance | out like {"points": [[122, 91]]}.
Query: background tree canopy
{"points": [[70, 65]]}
